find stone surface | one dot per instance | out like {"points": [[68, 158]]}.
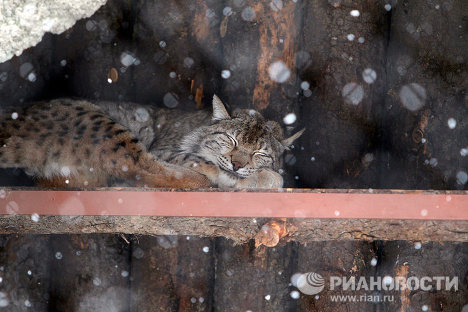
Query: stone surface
{"points": [[24, 22]]}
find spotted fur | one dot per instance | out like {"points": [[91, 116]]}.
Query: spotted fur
{"points": [[88, 144], [75, 143]]}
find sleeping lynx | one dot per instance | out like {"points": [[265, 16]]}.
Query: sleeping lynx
{"points": [[77, 143]]}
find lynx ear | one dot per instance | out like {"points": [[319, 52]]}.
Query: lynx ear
{"points": [[219, 111], [289, 141]]}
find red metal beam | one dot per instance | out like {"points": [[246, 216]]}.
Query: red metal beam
{"points": [[383, 204]]}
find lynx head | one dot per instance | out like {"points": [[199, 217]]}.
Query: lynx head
{"points": [[242, 143]]}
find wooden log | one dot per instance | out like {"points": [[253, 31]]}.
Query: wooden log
{"points": [[424, 64], [407, 259], [25, 272], [172, 273], [177, 43], [339, 259], [78, 286], [241, 230], [333, 51], [257, 35], [253, 279]]}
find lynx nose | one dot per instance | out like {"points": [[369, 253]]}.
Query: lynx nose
{"points": [[236, 165]]}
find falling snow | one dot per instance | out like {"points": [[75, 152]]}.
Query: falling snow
{"points": [[206, 249], [303, 59], [35, 217], [353, 93], [267, 297], [462, 177], [12, 208], [225, 74], [289, 119], [294, 278], [58, 255], [97, 281], [350, 37], [138, 253], [279, 72], [142, 115], [14, 115], [91, 25], [248, 14], [369, 75], [452, 123], [26, 71], [368, 157], [355, 13], [425, 308], [387, 280], [276, 5], [227, 11], [388, 7], [171, 100], [305, 85], [188, 62], [295, 294], [413, 96], [417, 245], [127, 59], [31, 77], [65, 171], [373, 262]]}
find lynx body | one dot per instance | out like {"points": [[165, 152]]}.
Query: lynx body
{"points": [[77, 143]]}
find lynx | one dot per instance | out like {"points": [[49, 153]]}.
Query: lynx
{"points": [[77, 143]]}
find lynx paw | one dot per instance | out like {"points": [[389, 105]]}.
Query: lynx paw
{"points": [[264, 178]]}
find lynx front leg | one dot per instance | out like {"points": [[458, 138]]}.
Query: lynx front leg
{"points": [[130, 161], [263, 178], [153, 173], [198, 164]]}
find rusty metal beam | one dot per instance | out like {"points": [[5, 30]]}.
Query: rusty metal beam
{"points": [[329, 204]]}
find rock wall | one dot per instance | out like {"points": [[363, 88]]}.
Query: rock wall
{"points": [[23, 23]]}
